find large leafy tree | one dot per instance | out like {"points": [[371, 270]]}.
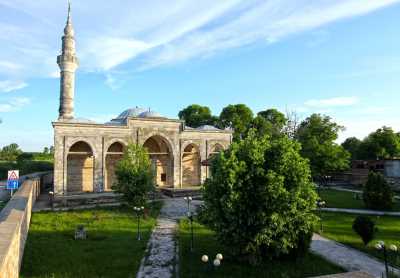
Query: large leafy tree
{"points": [[196, 115], [260, 198], [10, 152], [317, 135], [238, 117], [134, 175], [352, 145], [270, 121], [383, 143], [377, 193]]}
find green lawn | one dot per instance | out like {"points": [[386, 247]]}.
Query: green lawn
{"points": [[111, 249], [3, 204], [205, 243], [343, 199], [338, 226]]}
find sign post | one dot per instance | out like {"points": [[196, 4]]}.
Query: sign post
{"points": [[13, 180]]}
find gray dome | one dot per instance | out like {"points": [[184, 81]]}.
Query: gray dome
{"points": [[150, 114], [129, 113], [208, 127]]}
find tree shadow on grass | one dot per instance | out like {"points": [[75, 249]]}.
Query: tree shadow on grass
{"points": [[205, 243], [111, 253]]}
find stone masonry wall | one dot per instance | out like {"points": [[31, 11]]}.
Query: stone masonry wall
{"points": [[14, 226], [100, 137]]}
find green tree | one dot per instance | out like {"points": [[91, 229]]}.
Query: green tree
{"points": [[10, 152], [238, 117], [383, 143], [365, 228], [134, 174], [377, 193], [317, 135], [196, 115], [260, 198], [352, 145], [46, 150], [270, 121]]}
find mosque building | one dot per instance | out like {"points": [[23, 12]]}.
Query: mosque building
{"points": [[86, 152]]}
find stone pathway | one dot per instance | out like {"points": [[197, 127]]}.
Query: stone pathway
{"points": [[340, 188], [161, 256], [346, 257], [363, 211]]}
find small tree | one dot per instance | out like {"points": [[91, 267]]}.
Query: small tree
{"points": [[260, 199], [377, 193], [134, 175], [365, 228]]}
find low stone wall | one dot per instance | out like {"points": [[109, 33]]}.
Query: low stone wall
{"points": [[14, 225]]}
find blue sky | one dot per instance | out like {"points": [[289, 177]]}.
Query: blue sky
{"points": [[340, 58]]}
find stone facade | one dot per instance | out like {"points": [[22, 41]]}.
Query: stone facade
{"points": [[86, 152], [99, 137]]}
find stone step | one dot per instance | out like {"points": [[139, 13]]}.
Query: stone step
{"points": [[182, 192]]}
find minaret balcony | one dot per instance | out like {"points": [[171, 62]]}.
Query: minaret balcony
{"points": [[66, 58]]}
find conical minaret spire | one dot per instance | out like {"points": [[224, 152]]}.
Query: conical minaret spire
{"points": [[68, 63]]}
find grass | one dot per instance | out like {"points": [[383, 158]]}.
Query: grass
{"points": [[3, 204], [338, 226], [111, 249], [344, 199], [190, 264]]}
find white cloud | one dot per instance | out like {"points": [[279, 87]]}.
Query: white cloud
{"points": [[7, 86], [107, 52], [14, 104], [332, 102], [111, 35], [360, 127]]}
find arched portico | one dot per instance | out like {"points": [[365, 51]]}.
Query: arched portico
{"points": [[80, 168], [113, 155], [161, 154], [191, 166], [216, 148]]}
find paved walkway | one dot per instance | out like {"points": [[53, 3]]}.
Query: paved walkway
{"points": [[346, 257], [363, 211], [340, 188], [161, 260]]}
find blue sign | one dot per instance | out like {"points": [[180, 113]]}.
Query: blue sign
{"points": [[12, 184]]}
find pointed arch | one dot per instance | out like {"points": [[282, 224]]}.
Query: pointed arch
{"points": [[191, 165], [80, 168], [161, 154], [114, 154]]}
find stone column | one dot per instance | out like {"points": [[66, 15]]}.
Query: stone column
{"points": [[59, 161], [203, 156], [98, 154]]}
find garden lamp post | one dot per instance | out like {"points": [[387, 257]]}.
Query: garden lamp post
{"points": [[380, 246], [188, 199], [216, 262], [138, 211], [320, 205]]}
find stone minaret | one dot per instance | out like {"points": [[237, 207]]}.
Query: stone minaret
{"points": [[68, 63]]}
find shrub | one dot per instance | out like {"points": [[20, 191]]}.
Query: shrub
{"points": [[365, 228], [377, 193], [260, 199], [134, 175], [25, 167]]}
